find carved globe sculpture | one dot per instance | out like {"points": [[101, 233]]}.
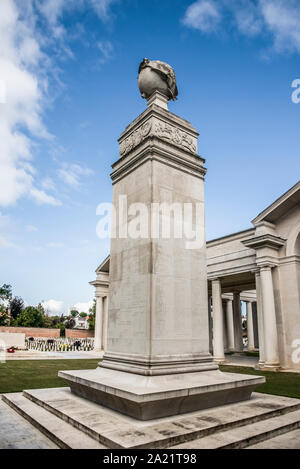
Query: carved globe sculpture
{"points": [[157, 76]]}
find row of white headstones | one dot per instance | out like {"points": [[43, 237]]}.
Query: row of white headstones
{"points": [[59, 345]]}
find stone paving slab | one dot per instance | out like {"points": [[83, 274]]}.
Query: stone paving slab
{"points": [[64, 435], [119, 431], [37, 355], [239, 438], [17, 433], [289, 440]]}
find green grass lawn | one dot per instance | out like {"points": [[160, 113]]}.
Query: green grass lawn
{"points": [[251, 354], [17, 375], [280, 384]]}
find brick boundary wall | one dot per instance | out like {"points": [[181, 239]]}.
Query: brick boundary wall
{"points": [[79, 333], [32, 331]]}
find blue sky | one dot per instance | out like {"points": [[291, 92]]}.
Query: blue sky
{"points": [[68, 88]]}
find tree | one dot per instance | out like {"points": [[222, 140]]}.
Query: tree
{"points": [[31, 317], [5, 292], [92, 316], [70, 323], [83, 315], [5, 295], [47, 321], [74, 313], [41, 308], [55, 320], [4, 317], [16, 306]]}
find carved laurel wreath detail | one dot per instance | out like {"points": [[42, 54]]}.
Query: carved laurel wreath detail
{"points": [[160, 130]]}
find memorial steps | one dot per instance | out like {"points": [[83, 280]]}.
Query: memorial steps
{"points": [[76, 423]]}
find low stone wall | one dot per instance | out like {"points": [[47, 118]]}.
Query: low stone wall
{"points": [[13, 339], [32, 331], [79, 333]]}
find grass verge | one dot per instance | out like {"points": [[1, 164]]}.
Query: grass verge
{"points": [[279, 384], [17, 375]]}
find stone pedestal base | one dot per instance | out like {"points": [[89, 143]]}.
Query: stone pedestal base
{"points": [[269, 367], [150, 397]]}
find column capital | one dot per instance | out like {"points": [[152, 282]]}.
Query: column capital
{"points": [[215, 279], [266, 266]]}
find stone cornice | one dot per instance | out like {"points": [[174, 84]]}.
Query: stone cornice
{"points": [[267, 240], [100, 283], [157, 111], [288, 200], [153, 150]]}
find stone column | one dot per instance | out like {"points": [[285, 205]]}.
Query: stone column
{"points": [[98, 344], [269, 318], [255, 324], [105, 323], [237, 323], [225, 333], [218, 342], [261, 335], [250, 329], [230, 327], [210, 326]]}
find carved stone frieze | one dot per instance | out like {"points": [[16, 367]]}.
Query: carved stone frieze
{"points": [[159, 129]]}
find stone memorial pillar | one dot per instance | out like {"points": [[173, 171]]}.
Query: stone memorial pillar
{"points": [[157, 361]]}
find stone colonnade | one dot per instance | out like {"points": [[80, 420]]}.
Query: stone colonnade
{"points": [[261, 320]]}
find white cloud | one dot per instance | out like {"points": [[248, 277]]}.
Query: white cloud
{"points": [[21, 113], [53, 307], [42, 198], [27, 29], [48, 184], [278, 18], [31, 228], [82, 307], [106, 49], [203, 15], [53, 10], [282, 18], [4, 243], [102, 8], [246, 15], [71, 173]]}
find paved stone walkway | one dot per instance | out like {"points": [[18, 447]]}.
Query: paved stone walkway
{"points": [[17, 433], [37, 355], [289, 440], [241, 360]]}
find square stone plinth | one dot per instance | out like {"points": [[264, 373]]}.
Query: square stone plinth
{"points": [[150, 397]]}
